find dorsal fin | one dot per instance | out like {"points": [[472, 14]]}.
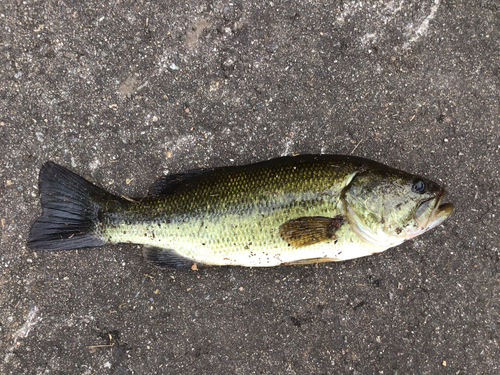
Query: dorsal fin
{"points": [[172, 183]]}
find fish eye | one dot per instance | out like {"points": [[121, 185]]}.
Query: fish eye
{"points": [[418, 186]]}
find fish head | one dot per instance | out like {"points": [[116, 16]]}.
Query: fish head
{"points": [[386, 207]]}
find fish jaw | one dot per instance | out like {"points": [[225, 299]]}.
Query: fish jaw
{"points": [[439, 212], [438, 215]]}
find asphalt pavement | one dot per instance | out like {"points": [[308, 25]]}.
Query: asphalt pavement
{"points": [[123, 92]]}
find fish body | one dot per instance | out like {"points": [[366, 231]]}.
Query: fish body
{"points": [[290, 210]]}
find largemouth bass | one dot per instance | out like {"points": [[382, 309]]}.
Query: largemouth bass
{"points": [[290, 210]]}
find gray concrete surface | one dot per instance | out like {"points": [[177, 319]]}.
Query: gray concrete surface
{"points": [[121, 92]]}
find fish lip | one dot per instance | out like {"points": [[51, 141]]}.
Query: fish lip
{"points": [[438, 198], [438, 210]]}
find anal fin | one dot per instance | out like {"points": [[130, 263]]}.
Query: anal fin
{"points": [[309, 230], [167, 258]]}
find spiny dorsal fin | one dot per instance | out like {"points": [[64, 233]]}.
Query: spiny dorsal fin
{"points": [[309, 230]]}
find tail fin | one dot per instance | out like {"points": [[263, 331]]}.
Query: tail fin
{"points": [[70, 214]]}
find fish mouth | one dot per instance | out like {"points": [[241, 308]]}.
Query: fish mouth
{"points": [[432, 212]]}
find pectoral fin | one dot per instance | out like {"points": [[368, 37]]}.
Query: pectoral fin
{"points": [[309, 230]]}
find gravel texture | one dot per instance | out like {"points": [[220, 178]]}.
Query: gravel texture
{"points": [[122, 92]]}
